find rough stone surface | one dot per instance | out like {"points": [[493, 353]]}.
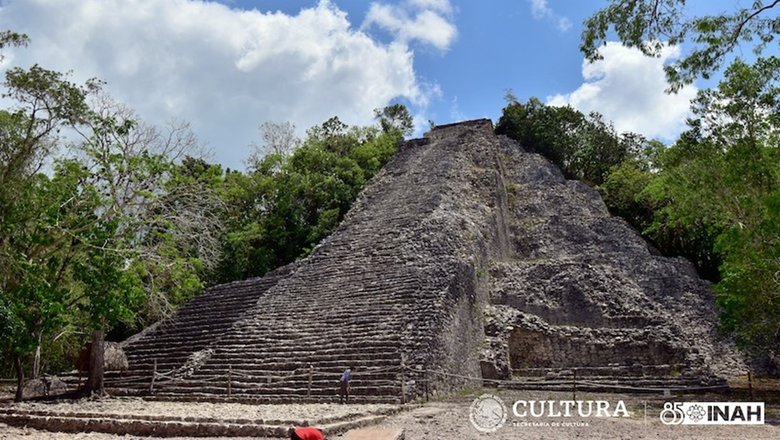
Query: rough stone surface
{"points": [[583, 291], [465, 257], [44, 386], [114, 358]]}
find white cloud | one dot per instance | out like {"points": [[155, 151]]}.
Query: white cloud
{"points": [[428, 21], [628, 88], [442, 6], [540, 10], [227, 70], [564, 24]]}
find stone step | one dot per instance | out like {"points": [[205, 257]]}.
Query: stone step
{"points": [[250, 399], [295, 379], [377, 343], [78, 413], [185, 322], [310, 343], [259, 390], [302, 350], [309, 356], [338, 324], [361, 360], [221, 300], [290, 365], [194, 384], [222, 311], [180, 353], [258, 371], [363, 371], [260, 340], [189, 427], [634, 381], [661, 371], [261, 369], [141, 427], [625, 386], [337, 321], [246, 335]]}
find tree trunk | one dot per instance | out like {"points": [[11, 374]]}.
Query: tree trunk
{"points": [[19, 378], [36, 366], [94, 383]]}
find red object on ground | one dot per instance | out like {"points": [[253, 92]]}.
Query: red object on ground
{"points": [[309, 434]]}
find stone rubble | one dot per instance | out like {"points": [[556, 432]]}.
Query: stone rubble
{"points": [[584, 291]]}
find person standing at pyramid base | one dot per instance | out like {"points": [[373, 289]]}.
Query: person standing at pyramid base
{"points": [[344, 386]]}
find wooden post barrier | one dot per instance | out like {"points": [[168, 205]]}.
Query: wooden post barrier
{"points": [[403, 381], [154, 376], [425, 382], [230, 380], [311, 374], [574, 386]]}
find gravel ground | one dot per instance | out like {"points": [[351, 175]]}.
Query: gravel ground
{"points": [[312, 412], [449, 419]]}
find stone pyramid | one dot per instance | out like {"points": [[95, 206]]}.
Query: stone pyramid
{"points": [[466, 257]]}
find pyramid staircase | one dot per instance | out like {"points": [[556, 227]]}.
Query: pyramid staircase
{"points": [[251, 341], [389, 290], [167, 346]]}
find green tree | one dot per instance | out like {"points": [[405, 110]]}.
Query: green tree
{"points": [[584, 147], [749, 291], [649, 24], [542, 129], [152, 233], [34, 257], [621, 193], [286, 204], [48, 220], [116, 230], [715, 196], [11, 39], [685, 222], [395, 117]]}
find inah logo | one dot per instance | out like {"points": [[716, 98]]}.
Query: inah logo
{"points": [[487, 413], [696, 413], [713, 413]]}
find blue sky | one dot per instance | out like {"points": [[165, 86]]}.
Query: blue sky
{"points": [[227, 67]]}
